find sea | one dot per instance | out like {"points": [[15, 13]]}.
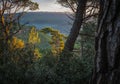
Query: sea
{"points": [[56, 20]]}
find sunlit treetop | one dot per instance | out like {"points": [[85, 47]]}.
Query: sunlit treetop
{"points": [[13, 4], [66, 3], [8, 16]]}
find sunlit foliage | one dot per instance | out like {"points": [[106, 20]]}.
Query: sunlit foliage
{"points": [[34, 39], [10, 24], [16, 43], [9, 15], [37, 54], [57, 40], [33, 36]]}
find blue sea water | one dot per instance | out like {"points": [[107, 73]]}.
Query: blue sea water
{"points": [[59, 21]]}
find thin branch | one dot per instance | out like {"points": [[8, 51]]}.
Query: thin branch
{"points": [[88, 35]]}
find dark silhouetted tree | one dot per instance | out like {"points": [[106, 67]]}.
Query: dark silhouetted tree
{"points": [[69, 45], [82, 11], [107, 58]]}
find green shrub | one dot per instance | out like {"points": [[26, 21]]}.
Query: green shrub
{"points": [[49, 69], [14, 65], [73, 70]]}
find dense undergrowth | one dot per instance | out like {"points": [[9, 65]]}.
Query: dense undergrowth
{"points": [[49, 69], [24, 61]]}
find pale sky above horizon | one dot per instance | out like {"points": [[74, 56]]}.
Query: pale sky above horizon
{"points": [[50, 6]]}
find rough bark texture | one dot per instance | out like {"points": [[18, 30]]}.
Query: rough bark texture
{"points": [[107, 59], [69, 45]]}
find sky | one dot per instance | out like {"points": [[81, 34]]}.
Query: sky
{"points": [[50, 6]]}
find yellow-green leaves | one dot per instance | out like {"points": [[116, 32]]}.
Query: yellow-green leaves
{"points": [[57, 43], [37, 54], [33, 36], [3, 20], [16, 43], [57, 40]]}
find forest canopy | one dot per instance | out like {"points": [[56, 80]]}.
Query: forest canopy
{"points": [[32, 55]]}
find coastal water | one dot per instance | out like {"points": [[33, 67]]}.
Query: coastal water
{"points": [[59, 21]]}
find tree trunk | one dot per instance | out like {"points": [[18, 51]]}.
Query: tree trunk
{"points": [[69, 45], [107, 59]]}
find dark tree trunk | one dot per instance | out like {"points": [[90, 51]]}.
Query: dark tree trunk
{"points": [[69, 45], [107, 59]]}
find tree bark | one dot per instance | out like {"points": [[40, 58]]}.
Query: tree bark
{"points": [[69, 45], [107, 58]]}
